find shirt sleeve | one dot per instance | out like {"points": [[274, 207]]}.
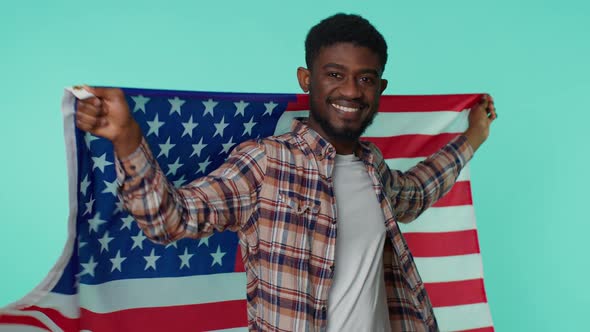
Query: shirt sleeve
{"points": [[224, 199], [420, 187]]}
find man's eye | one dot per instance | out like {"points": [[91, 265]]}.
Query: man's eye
{"points": [[335, 75], [368, 80]]}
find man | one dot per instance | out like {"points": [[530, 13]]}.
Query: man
{"points": [[316, 210]]}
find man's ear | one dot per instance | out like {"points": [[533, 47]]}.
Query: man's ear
{"points": [[303, 76], [383, 85]]}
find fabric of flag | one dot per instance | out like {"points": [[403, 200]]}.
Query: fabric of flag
{"points": [[110, 277]]}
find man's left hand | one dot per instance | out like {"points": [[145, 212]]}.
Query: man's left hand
{"points": [[480, 118]]}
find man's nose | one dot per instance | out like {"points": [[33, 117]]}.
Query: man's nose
{"points": [[350, 88]]}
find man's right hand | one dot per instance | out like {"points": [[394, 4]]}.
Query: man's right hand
{"points": [[107, 115]]}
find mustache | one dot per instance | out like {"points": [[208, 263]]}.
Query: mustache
{"points": [[357, 102]]}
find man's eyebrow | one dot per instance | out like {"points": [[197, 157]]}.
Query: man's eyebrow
{"points": [[332, 65]]}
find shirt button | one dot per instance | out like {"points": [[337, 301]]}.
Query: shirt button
{"points": [[332, 268], [324, 309]]}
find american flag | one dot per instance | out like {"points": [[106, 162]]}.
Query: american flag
{"points": [[110, 277]]}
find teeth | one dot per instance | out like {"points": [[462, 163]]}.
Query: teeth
{"points": [[345, 109]]}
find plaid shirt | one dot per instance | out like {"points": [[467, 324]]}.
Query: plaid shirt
{"points": [[278, 194]]}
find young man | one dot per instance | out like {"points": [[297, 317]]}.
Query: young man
{"points": [[316, 210]]}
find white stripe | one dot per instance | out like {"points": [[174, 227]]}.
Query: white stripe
{"points": [[391, 124], [149, 293], [37, 315], [67, 305], [411, 123], [463, 317], [284, 123], [442, 219], [404, 164], [450, 268], [159, 292]]}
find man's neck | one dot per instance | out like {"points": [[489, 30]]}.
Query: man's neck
{"points": [[344, 147]]}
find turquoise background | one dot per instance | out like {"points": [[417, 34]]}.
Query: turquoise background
{"points": [[530, 180]]}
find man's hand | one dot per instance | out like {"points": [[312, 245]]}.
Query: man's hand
{"points": [[480, 119], [107, 115]]}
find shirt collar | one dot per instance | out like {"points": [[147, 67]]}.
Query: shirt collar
{"points": [[321, 147]]}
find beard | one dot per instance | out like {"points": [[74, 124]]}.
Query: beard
{"points": [[345, 134]]}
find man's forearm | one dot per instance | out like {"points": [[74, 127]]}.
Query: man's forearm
{"points": [[129, 141]]}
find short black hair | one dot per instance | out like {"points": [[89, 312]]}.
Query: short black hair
{"points": [[344, 28]]}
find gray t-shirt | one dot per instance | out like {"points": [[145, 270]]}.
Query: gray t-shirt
{"points": [[357, 300]]}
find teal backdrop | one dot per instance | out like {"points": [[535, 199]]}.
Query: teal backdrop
{"points": [[530, 179]]}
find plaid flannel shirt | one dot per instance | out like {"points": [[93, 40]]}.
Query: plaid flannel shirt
{"points": [[278, 194]]}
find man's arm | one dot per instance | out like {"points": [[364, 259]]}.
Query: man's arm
{"points": [[223, 199], [423, 185]]}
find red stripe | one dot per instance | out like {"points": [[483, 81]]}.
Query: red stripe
{"points": [[66, 323], [443, 244], [460, 194], [444, 294], [410, 146], [301, 104], [6, 319], [199, 317], [430, 103], [482, 329]]}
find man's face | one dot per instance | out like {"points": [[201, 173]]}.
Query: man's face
{"points": [[344, 85]]}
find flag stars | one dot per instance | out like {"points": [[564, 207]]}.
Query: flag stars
{"points": [[248, 127], [150, 261], [118, 207], [165, 148], [154, 126], [81, 244], [100, 162], [227, 146], [111, 187], [173, 168], [189, 127], [104, 241], [95, 223], [88, 139], [220, 127], [116, 261], [203, 165], [197, 148], [138, 240], [217, 257], [89, 206], [126, 223], [89, 267], [184, 259], [178, 183], [176, 104], [270, 106], [204, 240], [241, 107], [140, 102], [209, 106]]}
